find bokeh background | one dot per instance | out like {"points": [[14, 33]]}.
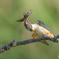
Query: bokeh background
{"points": [[12, 10]]}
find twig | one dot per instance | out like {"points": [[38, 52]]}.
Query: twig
{"points": [[17, 43]]}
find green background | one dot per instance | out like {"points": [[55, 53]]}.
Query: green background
{"points": [[44, 10]]}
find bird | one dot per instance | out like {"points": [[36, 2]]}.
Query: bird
{"points": [[39, 29]]}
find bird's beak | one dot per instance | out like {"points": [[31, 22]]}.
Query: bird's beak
{"points": [[28, 25]]}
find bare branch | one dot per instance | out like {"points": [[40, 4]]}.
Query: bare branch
{"points": [[17, 43]]}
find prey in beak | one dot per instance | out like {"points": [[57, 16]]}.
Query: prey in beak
{"points": [[25, 16]]}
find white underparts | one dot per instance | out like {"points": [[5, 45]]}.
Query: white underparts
{"points": [[39, 29], [34, 27]]}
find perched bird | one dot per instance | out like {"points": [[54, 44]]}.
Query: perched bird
{"points": [[39, 29]]}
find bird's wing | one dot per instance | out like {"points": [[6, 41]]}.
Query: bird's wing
{"points": [[42, 24]]}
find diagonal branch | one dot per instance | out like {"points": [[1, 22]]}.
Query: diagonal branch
{"points": [[18, 43]]}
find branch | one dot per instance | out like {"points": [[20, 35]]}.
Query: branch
{"points": [[17, 43]]}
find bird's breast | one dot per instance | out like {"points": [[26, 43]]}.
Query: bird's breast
{"points": [[41, 30]]}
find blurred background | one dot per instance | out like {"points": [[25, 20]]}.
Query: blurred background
{"points": [[44, 10]]}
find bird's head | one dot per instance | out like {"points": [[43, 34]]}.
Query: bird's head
{"points": [[28, 25]]}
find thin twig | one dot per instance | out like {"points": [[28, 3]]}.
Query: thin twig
{"points": [[18, 43]]}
